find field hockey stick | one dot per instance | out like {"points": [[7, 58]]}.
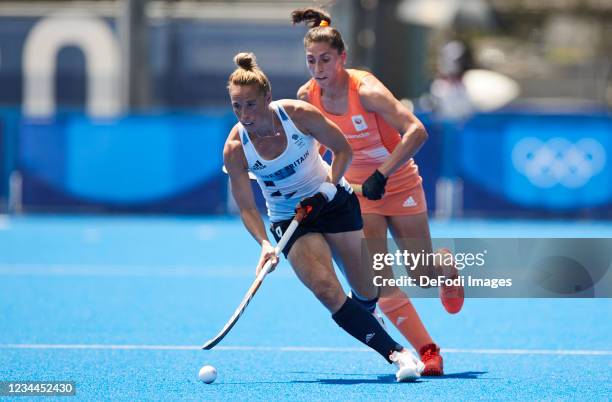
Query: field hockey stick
{"points": [[258, 281]]}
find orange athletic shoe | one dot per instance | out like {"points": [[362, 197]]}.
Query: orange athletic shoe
{"points": [[430, 356], [452, 297]]}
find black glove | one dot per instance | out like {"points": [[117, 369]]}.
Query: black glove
{"points": [[313, 206], [374, 186]]}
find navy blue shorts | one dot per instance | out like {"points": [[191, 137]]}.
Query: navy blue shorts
{"points": [[342, 214]]}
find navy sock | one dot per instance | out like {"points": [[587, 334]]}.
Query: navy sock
{"points": [[369, 305], [362, 325]]}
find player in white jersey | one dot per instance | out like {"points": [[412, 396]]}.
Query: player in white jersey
{"points": [[278, 143], [295, 174]]}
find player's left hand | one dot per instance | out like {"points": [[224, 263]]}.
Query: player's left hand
{"points": [[374, 186]]}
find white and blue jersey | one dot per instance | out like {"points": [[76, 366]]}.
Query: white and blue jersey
{"points": [[295, 174]]}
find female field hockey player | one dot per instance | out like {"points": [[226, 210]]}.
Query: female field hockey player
{"points": [[278, 142], [384, 136]]}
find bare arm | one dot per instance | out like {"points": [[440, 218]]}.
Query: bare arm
{"points": [[375, 97], [311, 121], [302, 93], [236, 165]]}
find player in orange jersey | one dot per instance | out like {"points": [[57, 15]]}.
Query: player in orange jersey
{"points": [[384, 136]]}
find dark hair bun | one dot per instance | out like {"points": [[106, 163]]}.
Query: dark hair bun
{"points": [[246, 61]]}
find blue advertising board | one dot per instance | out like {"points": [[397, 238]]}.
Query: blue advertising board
{"points": [[554, 163], [134, 163]]}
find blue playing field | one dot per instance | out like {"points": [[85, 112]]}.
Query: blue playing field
{"points": [[121, 305]]}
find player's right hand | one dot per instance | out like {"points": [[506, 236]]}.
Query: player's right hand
{"points": [[267, 253], [313, 206]]}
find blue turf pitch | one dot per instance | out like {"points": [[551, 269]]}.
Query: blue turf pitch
{"points": [[120, 306]]}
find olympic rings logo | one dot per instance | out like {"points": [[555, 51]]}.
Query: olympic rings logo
{"points": [[558, 161]]}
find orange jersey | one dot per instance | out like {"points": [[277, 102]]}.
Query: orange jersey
{"points": [[370, 136]]}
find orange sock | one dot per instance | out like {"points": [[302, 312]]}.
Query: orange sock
{"points": [[399, 310]]}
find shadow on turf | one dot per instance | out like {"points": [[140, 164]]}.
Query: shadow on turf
{"points": [[385, 378], [467, 375]]}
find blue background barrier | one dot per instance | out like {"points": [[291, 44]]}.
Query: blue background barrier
{"points": [[3, 167], [9, 122], [512, 164], [162, 163], [539, 163]]}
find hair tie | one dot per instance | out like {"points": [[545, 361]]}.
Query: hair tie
{"points": [[324, 23]]}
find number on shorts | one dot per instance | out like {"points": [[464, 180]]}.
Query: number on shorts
{"points": [[279, 231]]}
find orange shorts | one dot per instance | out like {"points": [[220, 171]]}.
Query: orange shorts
{"points": [[407, 202]]}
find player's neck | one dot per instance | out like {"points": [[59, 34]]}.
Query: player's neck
{"points": [[268, 128], [337, 89]]}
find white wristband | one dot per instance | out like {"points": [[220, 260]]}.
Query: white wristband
{"points": [[328, 190]]}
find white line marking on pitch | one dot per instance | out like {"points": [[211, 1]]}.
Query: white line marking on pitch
{"points": [[302, 349], [132, 271]]}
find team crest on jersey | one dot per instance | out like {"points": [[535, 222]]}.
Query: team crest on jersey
{"points": [[298, 140], [359, 122]]}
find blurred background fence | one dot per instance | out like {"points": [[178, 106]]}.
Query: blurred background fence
{"points": [[122, 107]]}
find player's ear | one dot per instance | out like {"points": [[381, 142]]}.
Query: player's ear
{"points": [[269, 97], [343, 58]]}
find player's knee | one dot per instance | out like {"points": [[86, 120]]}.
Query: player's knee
{"points": [[328, 292], [425, 271], [366, 291], [441, 263]]}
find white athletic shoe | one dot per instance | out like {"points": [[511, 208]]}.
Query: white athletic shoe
{"points": [[409, 368]]}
